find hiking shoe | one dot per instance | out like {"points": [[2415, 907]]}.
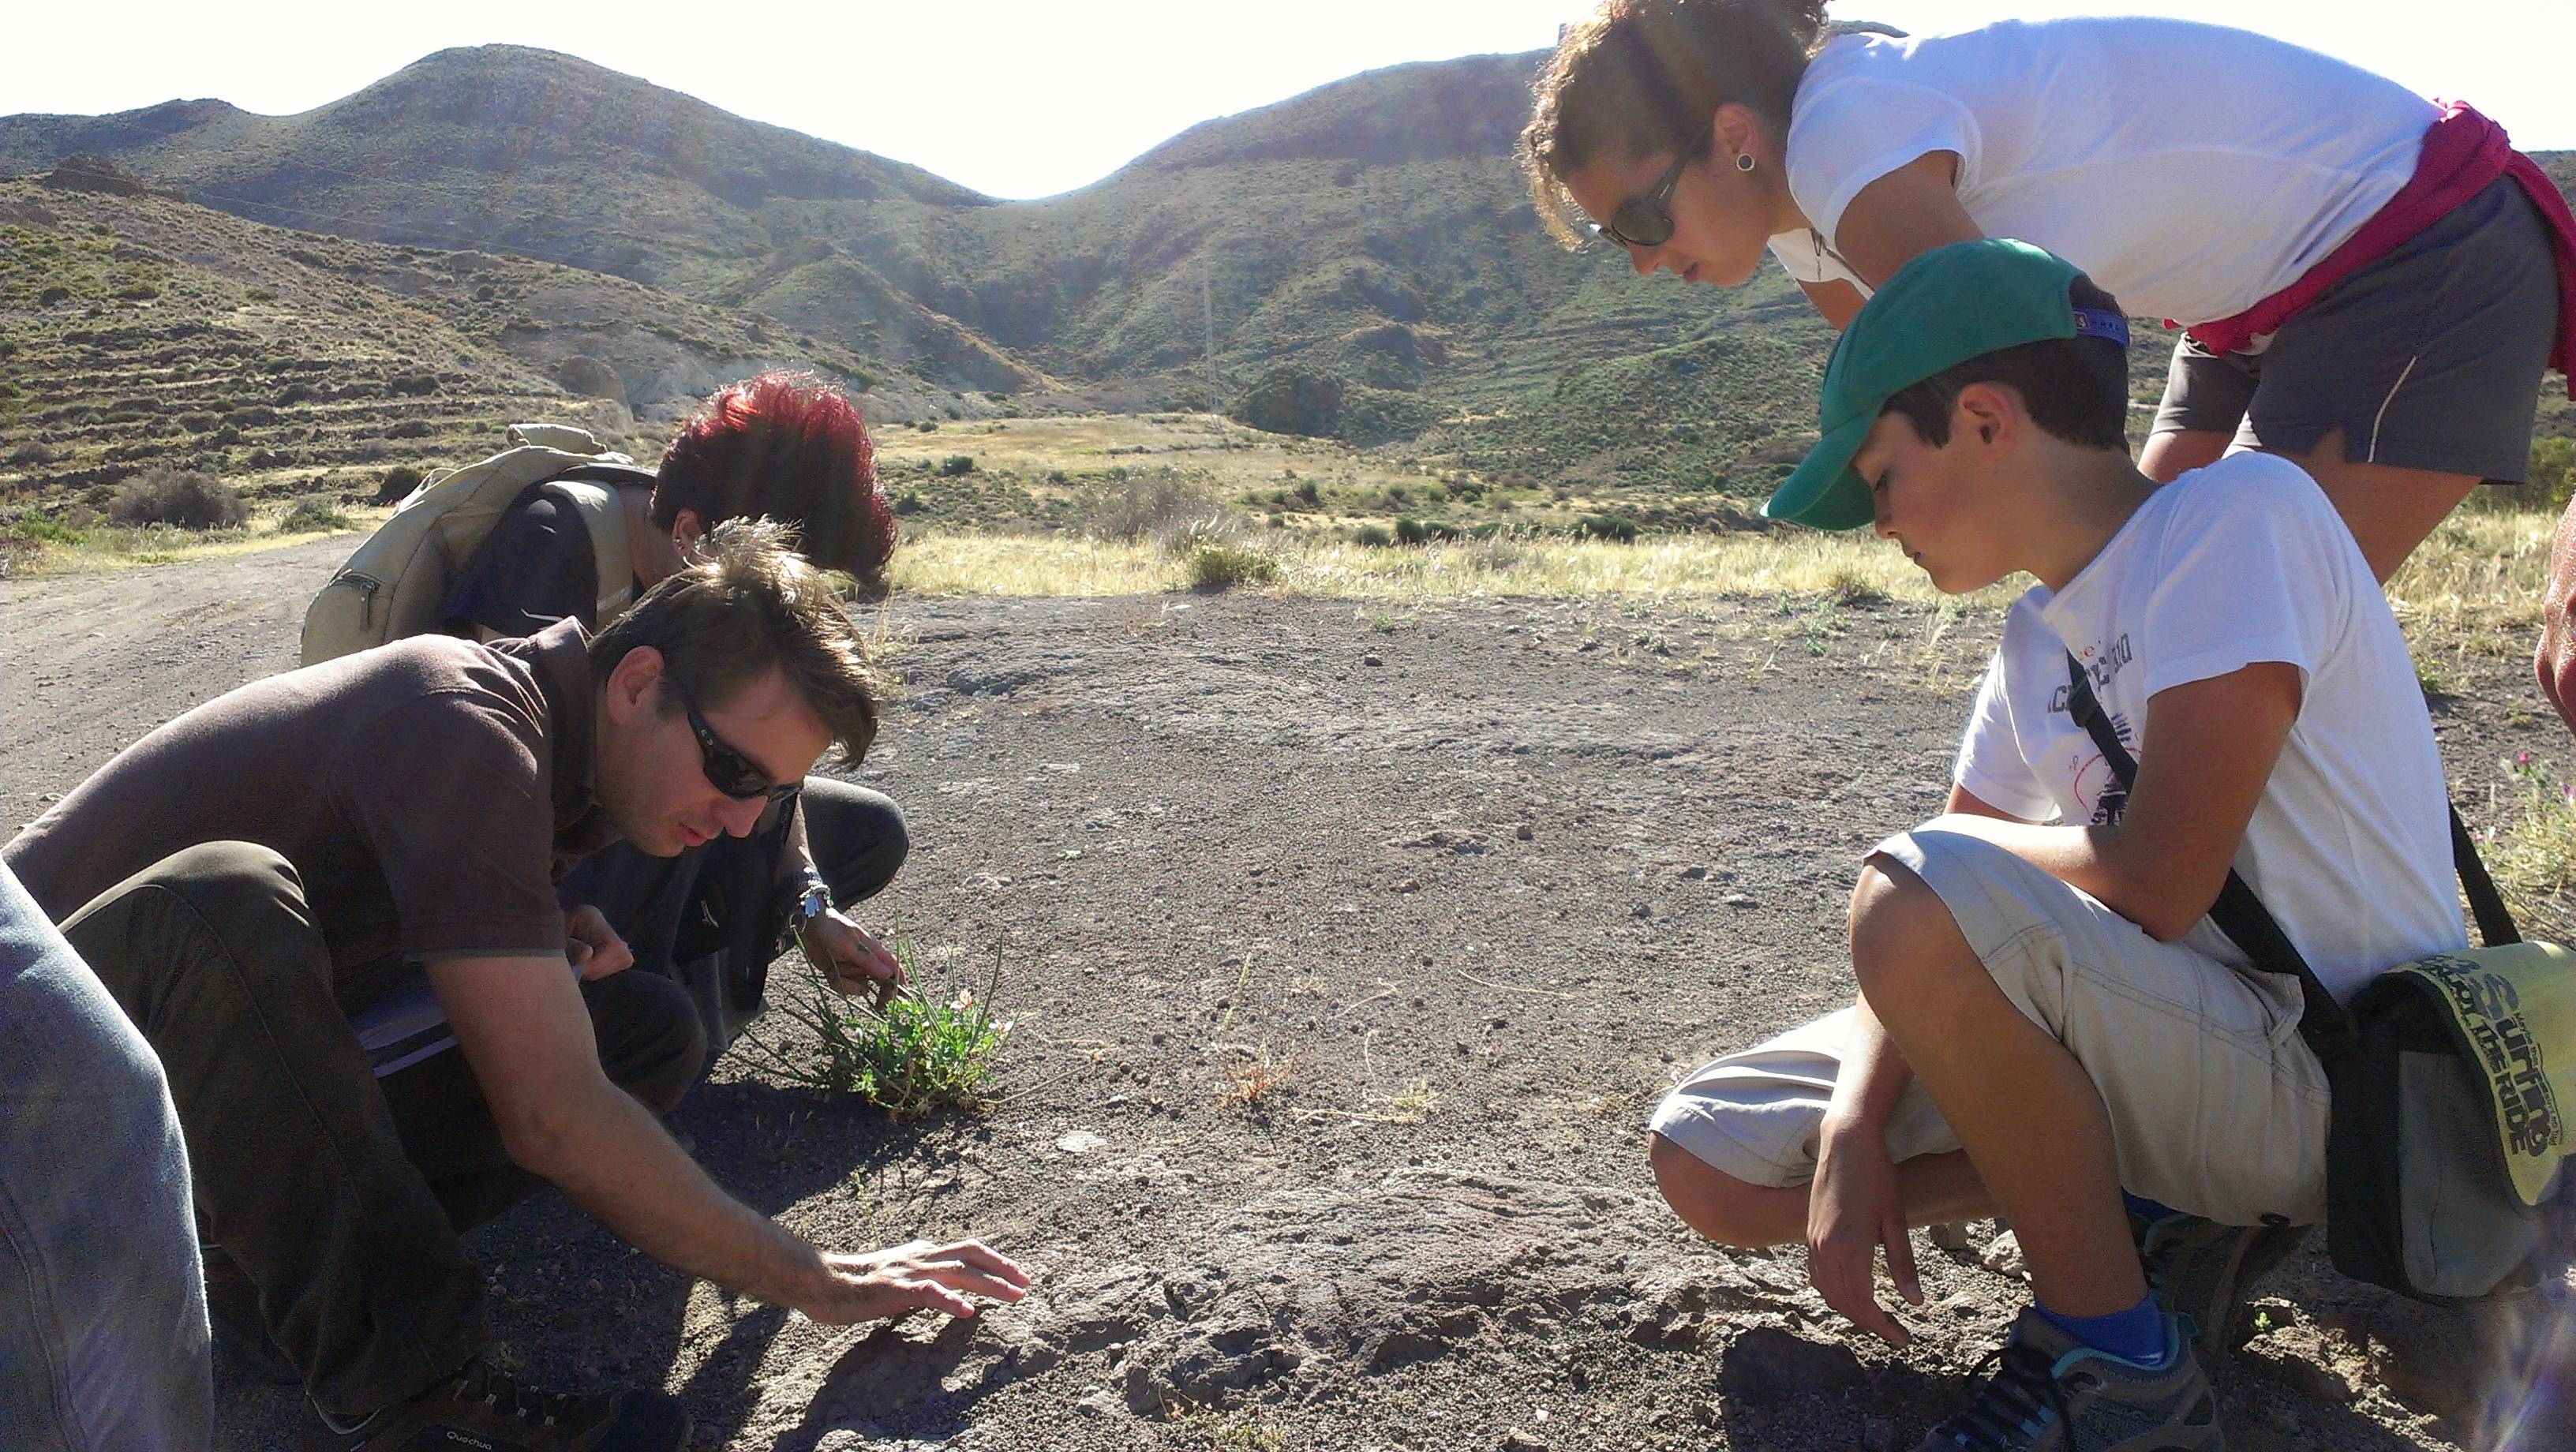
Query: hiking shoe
{"points": [[493, 1412], [2203, 1271], [2051, 1393]]}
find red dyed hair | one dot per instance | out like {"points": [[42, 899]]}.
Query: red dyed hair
{"points": [[793, 449]]}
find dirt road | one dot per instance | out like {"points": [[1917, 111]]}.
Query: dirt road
{"points": [[1347, 951]]}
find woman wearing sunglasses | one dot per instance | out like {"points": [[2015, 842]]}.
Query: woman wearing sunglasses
{"points": [[2372, 284]]}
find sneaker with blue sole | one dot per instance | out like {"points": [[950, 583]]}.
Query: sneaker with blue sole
{"points": [[2049, 1392]]}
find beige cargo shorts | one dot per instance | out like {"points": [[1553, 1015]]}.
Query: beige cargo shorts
{"points": [[2217, 1106]]}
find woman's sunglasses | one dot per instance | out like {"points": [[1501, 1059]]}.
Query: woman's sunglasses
{"points": [[1646, 219], [728, 770]]}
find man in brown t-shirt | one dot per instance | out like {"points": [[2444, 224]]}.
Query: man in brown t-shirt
{"points": [[246, 877]]}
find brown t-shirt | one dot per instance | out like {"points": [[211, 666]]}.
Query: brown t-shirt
{"points": [[428, 793]]}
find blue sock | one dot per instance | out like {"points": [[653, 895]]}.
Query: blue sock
{"points": [[2144, 1208], [2136, 1334]]}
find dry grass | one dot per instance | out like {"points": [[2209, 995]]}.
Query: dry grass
{"points": [[2532, 850], [117, 547], [2476, 584], [1255, 1073]]}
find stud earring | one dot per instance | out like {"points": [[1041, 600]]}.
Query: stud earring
{"points": [[1744, 161]]}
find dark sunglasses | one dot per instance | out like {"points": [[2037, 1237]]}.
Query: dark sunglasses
{"points": [[728, 770], [1646, 219]]}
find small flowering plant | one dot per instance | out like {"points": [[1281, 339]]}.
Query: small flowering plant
{"points": [[924, 1051]]}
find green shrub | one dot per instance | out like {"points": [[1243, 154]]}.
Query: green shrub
{"points": [[925, 1050], [400, 480], [188, 498], [1142, 504], [2553, 473], [43, 528], [1372, 536], [956, 464], [1216, 565], [412, 385], [1618, 527], [312, 515]]}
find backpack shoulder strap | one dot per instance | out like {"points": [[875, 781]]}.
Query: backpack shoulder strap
{"points": [[2238, 912], [591, 489]]}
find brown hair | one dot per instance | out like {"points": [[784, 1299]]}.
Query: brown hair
{"points": [[754, 604], [1646, 76]]}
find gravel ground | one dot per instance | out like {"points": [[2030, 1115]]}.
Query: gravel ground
{"points": [[1347, 950]]}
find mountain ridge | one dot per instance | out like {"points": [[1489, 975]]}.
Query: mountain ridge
{"points": [[1373, 230]]}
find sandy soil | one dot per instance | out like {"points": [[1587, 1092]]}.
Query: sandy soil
{"points": [[1475, 882]]}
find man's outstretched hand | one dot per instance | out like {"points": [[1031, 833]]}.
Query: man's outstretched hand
{"points": [[918, 1275]]}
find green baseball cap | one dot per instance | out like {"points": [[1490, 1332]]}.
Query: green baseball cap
{"points": [[1943, 308]]}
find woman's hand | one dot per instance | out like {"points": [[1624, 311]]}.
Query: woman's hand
{"points": [[1854, 1206]]}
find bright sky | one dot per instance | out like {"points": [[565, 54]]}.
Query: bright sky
{"points": [[1025, 98]]}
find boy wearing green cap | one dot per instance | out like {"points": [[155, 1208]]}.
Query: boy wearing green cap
{"points": [[2045, 1014]]}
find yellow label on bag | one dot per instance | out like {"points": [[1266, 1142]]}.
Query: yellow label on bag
{"points": [[2514, 1011]]}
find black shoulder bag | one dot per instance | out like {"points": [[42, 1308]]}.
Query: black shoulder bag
{"points": [[2447, 1138]]}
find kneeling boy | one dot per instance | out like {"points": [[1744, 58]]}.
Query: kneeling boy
{"points": [[2045, 1013]]}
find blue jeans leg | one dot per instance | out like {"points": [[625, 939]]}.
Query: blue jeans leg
{"points": [[102, 1306]]}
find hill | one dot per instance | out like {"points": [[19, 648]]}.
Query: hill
{"points": [[141, 329], [1385, 199], [1370, 237]]}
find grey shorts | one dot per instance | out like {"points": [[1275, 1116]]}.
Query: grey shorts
{"points": [[2429, 358], [2216, 1105]]}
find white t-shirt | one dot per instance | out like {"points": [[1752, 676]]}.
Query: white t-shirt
{"points": [[2242, 562], [2192, 170]]}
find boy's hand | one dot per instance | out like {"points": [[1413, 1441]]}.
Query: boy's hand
{"points": [[1853, 1207]]}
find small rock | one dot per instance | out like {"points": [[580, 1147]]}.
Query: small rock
{"points": [[1372, 659], [1080, 1142], [1739, 900], [1097, 1402], [1522, 832], [1517, 1440], [1695, 873], [2003, 1256], [1410, 884], [1950, 1236]]}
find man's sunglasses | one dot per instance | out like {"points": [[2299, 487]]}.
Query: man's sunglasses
{"points": [[728, 770], [1646, 219]]}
